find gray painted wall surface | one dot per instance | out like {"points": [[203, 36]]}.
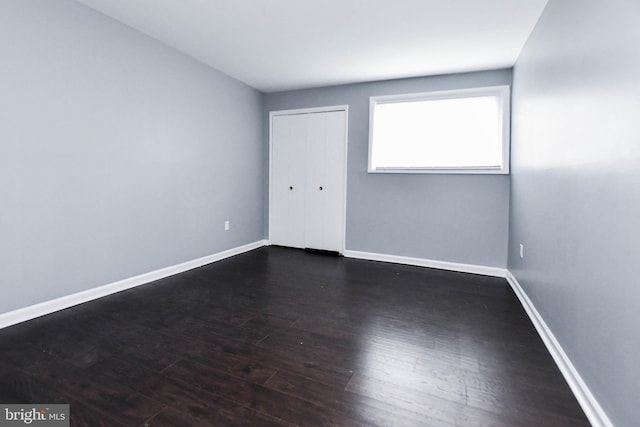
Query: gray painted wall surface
{"points": [[455, 218], [575, 200], [119, 155]]}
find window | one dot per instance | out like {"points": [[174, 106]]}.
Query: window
{"points": [[461, 131]]}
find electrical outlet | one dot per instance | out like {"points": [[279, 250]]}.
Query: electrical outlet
{"points": [[226, 226], [521, 250]]}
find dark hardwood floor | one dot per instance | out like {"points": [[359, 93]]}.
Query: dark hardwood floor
{"points": [[283, 337]]}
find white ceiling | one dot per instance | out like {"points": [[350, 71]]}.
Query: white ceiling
{"points": [[276, 45]]}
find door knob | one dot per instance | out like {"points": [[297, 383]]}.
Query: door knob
{"points": [[290, 188], [320, 188]]}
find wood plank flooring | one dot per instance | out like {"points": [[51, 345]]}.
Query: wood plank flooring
{"points": [[280, 337]]}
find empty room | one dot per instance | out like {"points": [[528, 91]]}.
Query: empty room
{"points": [[337, 213]]}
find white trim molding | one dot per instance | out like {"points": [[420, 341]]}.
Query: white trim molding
{"points": [[592, 409], [47, 307], [421, 262]]}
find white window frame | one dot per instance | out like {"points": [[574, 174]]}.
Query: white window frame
{"points": [[502, 91]]}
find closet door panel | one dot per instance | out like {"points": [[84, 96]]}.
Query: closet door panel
{"points": [[279, 181], [334, 178], [287, 182], [314, 191], [297, 173]]}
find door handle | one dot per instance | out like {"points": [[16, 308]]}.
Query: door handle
{"points": [[290, 188], [320, 188]]}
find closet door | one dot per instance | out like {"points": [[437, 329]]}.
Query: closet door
{"points": [[324, 192], [288, 181], [307, 180]]}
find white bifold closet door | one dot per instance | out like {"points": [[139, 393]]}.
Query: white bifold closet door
{"points": [[308, 179]]}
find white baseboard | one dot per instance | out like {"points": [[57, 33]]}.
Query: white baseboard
{"points": [[592, 409], [421, 262], [37, 310]]}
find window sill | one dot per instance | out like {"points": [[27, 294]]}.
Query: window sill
{"points": [[454, 171]]}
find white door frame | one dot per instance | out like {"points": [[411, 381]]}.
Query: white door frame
{"points": [[344, 108]]}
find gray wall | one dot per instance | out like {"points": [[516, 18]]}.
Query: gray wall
{"points": [[455, 218], [119, 155], [575, 199]]}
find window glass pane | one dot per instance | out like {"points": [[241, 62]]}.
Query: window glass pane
{"points": [[459, 132]]}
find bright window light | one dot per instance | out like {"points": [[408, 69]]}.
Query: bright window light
{"points": [[464, 131]]}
